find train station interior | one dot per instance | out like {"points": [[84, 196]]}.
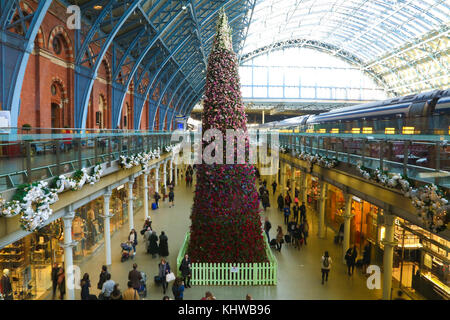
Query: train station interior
{"points": [[111, 119]]}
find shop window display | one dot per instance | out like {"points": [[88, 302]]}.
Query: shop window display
{"points": [[87, 228], [30, 261]]}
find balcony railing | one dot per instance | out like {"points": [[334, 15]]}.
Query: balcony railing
{"points": [[34, 154]]}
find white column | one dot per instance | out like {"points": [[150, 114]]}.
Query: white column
{"points": [[293, 182], [146, 194], [157, 178], [107, 225], [283, 178], [68, 255], [389, 245], [323, 194], [304, 188], [130, 204], [171, 171], [165, 174], [176, 175], [347, 220]]}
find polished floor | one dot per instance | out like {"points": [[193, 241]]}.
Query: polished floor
{"points": [[299, 275]]}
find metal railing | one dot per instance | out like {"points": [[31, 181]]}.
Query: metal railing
{"points": [[424, 158], [35, 154]]}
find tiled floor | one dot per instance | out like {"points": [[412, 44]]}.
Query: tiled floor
{"points": [[299, 275]]}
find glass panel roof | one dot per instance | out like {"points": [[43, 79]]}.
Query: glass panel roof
{"points": [[365, 28]]}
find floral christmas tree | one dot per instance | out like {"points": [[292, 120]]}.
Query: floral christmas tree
{"points": [[226, 225]]}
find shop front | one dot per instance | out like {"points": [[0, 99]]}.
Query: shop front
{"points": [[30, 261], [421, 261], [313, 193]]}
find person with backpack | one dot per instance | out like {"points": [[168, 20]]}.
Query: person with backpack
{"points": [[131, 293], [171, 198], [287, 212], [267, 227], [157, 197], [326, 266], [178, 288]]}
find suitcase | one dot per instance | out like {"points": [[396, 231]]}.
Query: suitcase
{"points": [[158, 280], [153, 206], [287, 238]]}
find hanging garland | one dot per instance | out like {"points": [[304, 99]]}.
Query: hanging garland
{"points": [[429, 200], [312, 159], [32, 201]]}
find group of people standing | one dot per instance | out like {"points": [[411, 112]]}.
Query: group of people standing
{"points": [[170, 195]]}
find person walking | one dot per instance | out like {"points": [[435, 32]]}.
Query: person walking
{"points": [[5, 286], [163, 271], [131, 293], [135, 277], [326, 266], [156, 196], [305, 230], [302, 210], [163, 245], [287, 212], [171, 198], [185, 269], [280, 239], [116, 294], [267, 227], [297, 237], [350, 258], [102, 278], [132, 238], [280, 202], [287, 200], [61, 283], [265, 200], [274, 187], [85, 284], [178, 288], [366, 256], [153, 248], [295, 210], [55, 270], [147, 234], [108, 288]]}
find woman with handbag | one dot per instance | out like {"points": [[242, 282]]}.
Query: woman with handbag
{"points": [[164, 270], [185, 268]]}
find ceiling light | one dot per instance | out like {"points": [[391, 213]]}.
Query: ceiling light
{"points": [[184, 8], [98, 7]]}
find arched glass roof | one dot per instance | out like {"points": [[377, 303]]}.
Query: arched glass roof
{"points": [[365, 28]]}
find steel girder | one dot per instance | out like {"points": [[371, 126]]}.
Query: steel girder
{"points": [[18, 30], [85, 76], [169, 82], [151, 86]]}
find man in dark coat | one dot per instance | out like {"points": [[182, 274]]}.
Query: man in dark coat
{"points": [[163, 245], [350, 258], [274, 187], [280, 201], [185, 269], [54, 280], [5, 285], [153, 244], [265, 200], [302, 210], [157, 197], [135, 277], [267, 227]]}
